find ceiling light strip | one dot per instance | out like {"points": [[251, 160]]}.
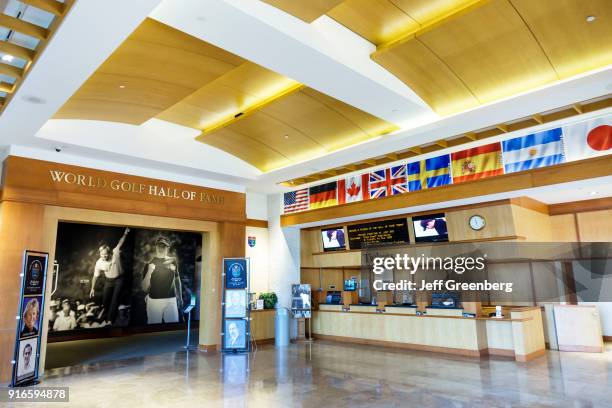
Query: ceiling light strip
{"points": [[431, 24], [250, 109]]}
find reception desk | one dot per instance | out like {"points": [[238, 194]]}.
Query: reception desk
{"points": [[262, 325], [521, 335]]}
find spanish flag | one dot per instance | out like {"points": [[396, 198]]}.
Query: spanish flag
{"points": [[324, 195], [476, 163]]}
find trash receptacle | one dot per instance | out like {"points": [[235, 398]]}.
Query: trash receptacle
{"points": [[281, 333]]}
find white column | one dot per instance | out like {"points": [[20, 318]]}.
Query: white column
{"points": [[284, 258]]}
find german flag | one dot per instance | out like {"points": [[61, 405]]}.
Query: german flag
{"points": [[324, 195], [476, 163]]}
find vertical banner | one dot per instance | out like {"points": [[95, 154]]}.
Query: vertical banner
{"points": [[29, 321], [235, 324]]}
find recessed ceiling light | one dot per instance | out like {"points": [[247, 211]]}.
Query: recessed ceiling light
{"points": [[7, 58], [286, 136], [590, 19], [594, 193], [122, 86]]}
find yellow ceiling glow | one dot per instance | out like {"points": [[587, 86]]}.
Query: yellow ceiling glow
{"points": [[483, 51]]}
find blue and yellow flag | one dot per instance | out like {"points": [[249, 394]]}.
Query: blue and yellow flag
{"points": [[429, 173]]}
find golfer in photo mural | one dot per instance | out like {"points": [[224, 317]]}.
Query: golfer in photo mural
{"points": [[110, 265], [162, 284]]}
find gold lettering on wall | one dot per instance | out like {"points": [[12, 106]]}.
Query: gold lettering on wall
{"points": [[92, 182]]}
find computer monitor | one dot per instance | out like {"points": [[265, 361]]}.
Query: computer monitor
{"points": [[430, 228], [333, 239], [350, 285]]}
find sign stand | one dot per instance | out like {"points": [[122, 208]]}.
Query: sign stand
{"points": [[26, 357], [187, 311], [236, 317]]}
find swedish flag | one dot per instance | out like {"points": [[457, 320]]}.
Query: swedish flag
{"points": [[429, 173]]}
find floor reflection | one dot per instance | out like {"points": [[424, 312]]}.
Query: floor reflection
{"points": [[339, 375]]}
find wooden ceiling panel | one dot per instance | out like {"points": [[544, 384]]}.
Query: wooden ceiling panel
{"points": [[378, 21], [280, 134], [357, 125], [306, 10], [231, 93], [427, 75], [491, 50], [571, 43], [156, 67], [248, 149], [298, 126]]}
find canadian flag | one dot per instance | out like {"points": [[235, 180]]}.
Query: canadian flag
{"points": [[353, 188], [588, 139]]}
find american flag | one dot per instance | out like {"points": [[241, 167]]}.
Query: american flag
{"points": [[388, 182], [296, 201]]}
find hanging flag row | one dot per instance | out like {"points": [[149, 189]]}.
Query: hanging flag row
{"points": [[578, 141]]}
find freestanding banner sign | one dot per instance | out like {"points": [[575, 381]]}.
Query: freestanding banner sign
{"points": [[236, 326], [29, 321]]}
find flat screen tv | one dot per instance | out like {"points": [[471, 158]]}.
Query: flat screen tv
{"points": [[350, 285], [333, 239], [430, 228]]}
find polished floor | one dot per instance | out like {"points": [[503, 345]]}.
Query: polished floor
{"points": [[77, 352], [327, 374]]}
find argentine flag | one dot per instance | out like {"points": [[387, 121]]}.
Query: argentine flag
{"points": [[540, 149]]}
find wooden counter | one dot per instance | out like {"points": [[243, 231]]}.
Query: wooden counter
{"points": [[263, 325], [520, 336]]}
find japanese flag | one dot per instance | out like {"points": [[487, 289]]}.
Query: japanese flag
{"points": [[587, 139]]}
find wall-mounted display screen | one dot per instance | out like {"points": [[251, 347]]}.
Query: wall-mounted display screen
{"points": [[333, 239], [377, 233], [430, 228], [119, 276]]}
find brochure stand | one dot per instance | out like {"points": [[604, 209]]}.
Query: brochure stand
{"points": [[301, 301]]}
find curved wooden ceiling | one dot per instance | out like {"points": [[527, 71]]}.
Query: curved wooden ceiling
{"points": [[458, 54], [302, 125], [262, 117], [155, 68]]}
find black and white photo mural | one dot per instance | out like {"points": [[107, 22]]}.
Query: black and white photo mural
{"points": [[111, 276]]}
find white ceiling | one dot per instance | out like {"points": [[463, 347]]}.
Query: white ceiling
{"points": [[323, 55]]}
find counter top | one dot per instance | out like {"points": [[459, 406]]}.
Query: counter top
{"points": [[411, 306], [503, 319]]}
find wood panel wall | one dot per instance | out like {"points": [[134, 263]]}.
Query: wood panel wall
{"points": [[32, 204], [20, 228], [37, 181]]}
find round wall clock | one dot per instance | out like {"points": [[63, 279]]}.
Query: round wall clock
{"points": [[477, 222]]}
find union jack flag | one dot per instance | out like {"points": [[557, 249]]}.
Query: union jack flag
{"points": [[388, 182]]}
